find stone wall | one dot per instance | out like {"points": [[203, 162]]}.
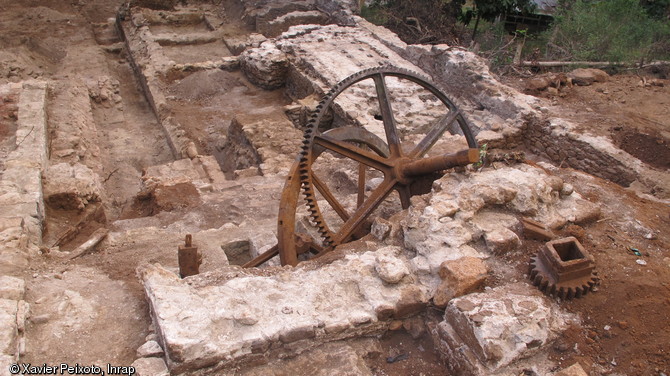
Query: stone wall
{"points": [[240, 316], [21, 215], [553, 139], [21, 202], [13, 315]]}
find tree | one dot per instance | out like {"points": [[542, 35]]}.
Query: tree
{"points": [[658, 9], [610, 30], [490, 10]]}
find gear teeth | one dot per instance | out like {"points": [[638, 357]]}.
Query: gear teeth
{"points": [[552, 290], [545, 284], [306, 155]]}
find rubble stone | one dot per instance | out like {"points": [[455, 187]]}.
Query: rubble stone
{"points": [[501, 240], [6, 361], [574, 370], [261, 242], [71, 187], [149, 349], [343, 301], [269, 141], [587, 76], [460, 277], [8, 327], [483, 332], [438, 233], [12, 288], [415, 326], [381, 228], [337, 357], [388, 266], [274, 27], [150, 367], [237, 45], [265, 66]]}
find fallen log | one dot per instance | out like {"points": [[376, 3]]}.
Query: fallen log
{"points": [[91, 243], [588, 64]]}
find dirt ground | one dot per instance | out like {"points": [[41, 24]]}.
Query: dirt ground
{"points": [[633, 109], [625, 324]]}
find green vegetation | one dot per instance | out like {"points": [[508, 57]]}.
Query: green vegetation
{"points": [[583, 30], [611, 30], [491, 10]]}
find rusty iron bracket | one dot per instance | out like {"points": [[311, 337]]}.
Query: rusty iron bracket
{"points": [[189, 258]]}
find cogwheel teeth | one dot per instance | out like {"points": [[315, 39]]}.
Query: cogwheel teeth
{"points": [[307, 152], [566, 290]]}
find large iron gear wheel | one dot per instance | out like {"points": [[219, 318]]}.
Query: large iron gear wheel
{"points": [[405, 172], [573, 288]]}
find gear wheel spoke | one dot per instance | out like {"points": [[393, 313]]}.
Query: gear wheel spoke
{"points": [[431, 138], [388, 164], [409, 174], [352, 152], [387, 115]]}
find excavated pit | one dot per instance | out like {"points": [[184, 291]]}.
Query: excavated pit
{"points": [[186, 121]]}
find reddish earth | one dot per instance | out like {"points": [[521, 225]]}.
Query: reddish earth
{"points": [[626, 323]]}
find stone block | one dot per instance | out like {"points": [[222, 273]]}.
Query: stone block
{"points": [[412, 301], [389, 267], [460, 277], [574, 370], [8, 327], [71, 187], [271, 311], [6, 361], [12, 288], [150, 367], [261, 242], [579, 211], [265, 66], [343, 359], [501, 240], [22, 314], [587, 76], [10, 222], [247, 173], [297, 333], [381, 228], [237, 251], [176, 196], [150, 349], [483, 332]]}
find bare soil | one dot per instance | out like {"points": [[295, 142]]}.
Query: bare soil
{"points": [[626, 324], [627, 109]]}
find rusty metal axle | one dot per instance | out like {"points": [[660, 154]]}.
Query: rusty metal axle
{"points": [[429, 165]]}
